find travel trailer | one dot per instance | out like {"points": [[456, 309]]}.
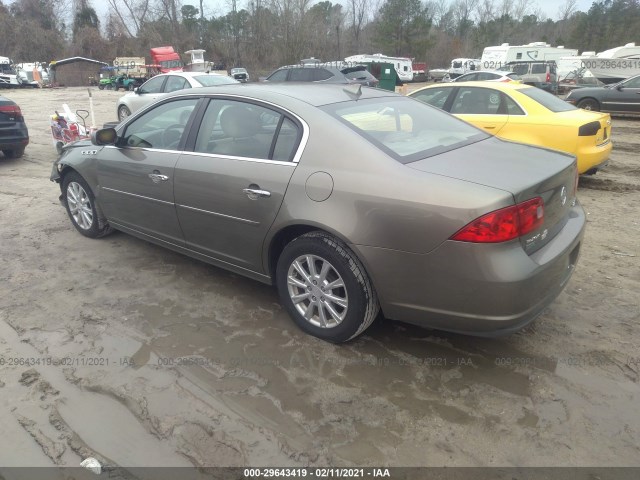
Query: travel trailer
{"points": [[495, 57], [402, 65], [8, 75], [615, 64]]}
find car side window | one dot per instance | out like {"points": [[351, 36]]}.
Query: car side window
{"points": [[287, 141], [486, 76], [301, 75], [538, 68], [320, 74], [434, 96], [162, 127], [240, 129], [278, 76], [508, 106], [633, 83], [153, 85], [174, 83], [476, 101]]}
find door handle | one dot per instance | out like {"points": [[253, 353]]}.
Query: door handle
{"points": [[157, 177], [489, 128], [255, 193]]}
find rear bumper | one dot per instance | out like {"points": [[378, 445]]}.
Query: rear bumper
{"points": [[591, 158], [13, 138], [477, 289]]}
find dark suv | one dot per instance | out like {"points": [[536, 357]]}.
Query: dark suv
{"points": [[14, 136], [312, 72], [541, 74]]}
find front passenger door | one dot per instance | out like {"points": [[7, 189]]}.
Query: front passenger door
{"points": [[136, 176]]}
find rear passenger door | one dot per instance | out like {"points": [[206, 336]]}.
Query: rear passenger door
{"points": [[480, 107], [229, 189]]}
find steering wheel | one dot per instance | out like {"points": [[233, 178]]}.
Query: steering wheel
{"points": [[171, 135]]}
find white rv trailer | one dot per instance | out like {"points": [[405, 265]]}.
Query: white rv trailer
{"points": [[498, 56], [8, 75], [403, 65]]}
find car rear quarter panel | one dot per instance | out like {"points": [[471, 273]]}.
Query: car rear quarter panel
{"points": [[375, 200]]}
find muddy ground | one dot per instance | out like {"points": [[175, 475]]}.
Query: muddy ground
{"points": [[135, 355]]}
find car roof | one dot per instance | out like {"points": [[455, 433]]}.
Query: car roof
{"points": [[190, 74], [311, 93], [481, 83], [499, 72]]}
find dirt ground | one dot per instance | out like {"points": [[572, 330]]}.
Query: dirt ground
{"points": [[135, 355]]}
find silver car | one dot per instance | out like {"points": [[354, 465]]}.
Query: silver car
{"points": [[351, 200], [160, 85]]}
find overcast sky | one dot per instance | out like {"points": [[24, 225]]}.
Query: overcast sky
{"points": [[219, 7]]}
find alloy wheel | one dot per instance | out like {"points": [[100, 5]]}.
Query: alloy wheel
{"points": [[79, 205], [317, 291]]}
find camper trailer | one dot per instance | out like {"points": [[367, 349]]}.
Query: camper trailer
{"points": [[460, 66], [8, 75], [495, 57]]}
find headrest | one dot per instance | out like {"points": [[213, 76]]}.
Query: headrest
{"points": [[238, 122]]}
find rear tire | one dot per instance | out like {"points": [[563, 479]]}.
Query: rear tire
{"points": [[13, 153], [101, 87], [82, 207], [589, 104], [325, 289]]}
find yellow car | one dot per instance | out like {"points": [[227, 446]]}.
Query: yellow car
{"points": [[526, 114]]}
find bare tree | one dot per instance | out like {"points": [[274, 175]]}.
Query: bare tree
{"points": [[485, 11], [132, 13], [567, 9], [358, 12]]}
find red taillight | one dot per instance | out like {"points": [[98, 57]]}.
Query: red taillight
{"points": [[12, 111], [504, 224], [506, 79]]}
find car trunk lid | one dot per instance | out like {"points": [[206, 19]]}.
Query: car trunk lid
{"points": [[524, 171]]}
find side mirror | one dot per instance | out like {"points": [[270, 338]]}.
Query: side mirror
{"points": [[619, 87], [137, 90], [104, 136]]}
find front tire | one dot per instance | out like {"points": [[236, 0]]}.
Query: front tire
{"points": [[325, 289], [589, 104], [82, 208], [123, 112]]}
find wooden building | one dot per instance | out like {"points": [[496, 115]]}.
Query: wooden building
{"points": [[75, 71]]}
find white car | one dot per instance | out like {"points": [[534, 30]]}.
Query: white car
{"points": [[165, 83], [489, 76]]}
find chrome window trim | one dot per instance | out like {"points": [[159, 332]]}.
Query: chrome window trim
{"points": [[296, 158], [242, 159]]}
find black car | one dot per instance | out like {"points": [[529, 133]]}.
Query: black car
{"points": [[317, 72], [622, 97], [14, 136]]}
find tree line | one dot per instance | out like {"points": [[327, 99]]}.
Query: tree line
{"points": [[263, 34]]}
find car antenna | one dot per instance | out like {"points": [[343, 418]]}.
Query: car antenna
{"points": [[354, 90]]}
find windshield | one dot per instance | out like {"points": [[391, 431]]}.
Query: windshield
{"points": [[213, 80], [405, 129], [547, 100]]}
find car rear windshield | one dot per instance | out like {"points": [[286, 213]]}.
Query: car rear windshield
{"points": [[213, 80], [360, 74], [547, 100], [404, 128]]}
